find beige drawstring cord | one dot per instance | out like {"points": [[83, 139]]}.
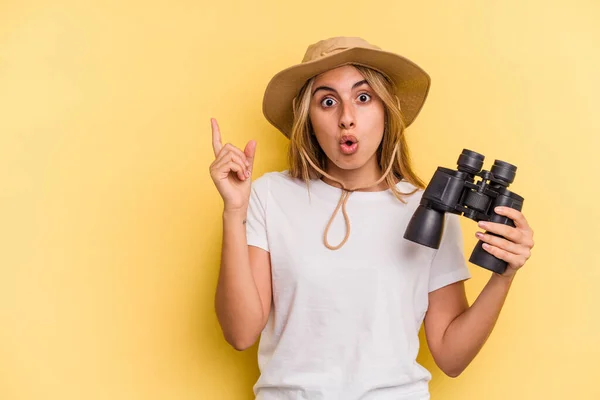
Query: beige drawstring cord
{"points": [[344, 198]]}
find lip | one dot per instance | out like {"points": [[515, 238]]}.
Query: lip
{"points": [[348, 144], [348, 138]]}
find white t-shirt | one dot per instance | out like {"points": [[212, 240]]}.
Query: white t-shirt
{"points": [[344, 323]]}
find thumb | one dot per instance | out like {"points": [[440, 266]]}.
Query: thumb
{"points": [[250, 151]]}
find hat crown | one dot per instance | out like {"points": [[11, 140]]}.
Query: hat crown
{"points": [[411, 82], [326, 47]]}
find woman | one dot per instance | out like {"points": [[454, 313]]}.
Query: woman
{"points": [[338, 310]]}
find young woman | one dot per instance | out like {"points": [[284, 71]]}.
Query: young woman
{"points": [[338, 299]]}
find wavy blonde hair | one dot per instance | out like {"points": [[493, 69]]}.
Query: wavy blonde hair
{"points": [[304, 143]]}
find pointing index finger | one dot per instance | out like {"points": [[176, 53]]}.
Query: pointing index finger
{"points": [[216, 137]]}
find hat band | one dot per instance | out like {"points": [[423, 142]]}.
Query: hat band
{"points": [[332, 51]]}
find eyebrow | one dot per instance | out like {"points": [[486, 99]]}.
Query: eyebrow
{"points": [[357, 84]]}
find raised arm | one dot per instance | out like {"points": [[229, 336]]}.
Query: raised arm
{"points": [[456, 332], [243, 295]]}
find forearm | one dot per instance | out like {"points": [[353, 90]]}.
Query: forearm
{"points": [[237, 300], [467, 333]]}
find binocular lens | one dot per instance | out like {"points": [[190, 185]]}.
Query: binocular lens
{"points": [[470, 161], [504, 171]]}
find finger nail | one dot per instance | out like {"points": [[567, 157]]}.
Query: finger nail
{"points": [[482, 224], [499, 209], [247, 163], [486, 246], [248, 174], [479, 235]]}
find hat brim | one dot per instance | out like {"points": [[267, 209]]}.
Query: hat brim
{"points": [[412, 83]]}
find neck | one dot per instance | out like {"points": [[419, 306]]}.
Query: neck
{"points": [[359, 178]]}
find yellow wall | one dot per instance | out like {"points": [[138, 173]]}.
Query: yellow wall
{"points": [[109, 235]]}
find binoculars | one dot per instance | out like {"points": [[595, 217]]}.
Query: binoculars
{"points": [[455, 191]]}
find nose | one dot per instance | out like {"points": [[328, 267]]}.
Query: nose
{"points": [[347, 119]]}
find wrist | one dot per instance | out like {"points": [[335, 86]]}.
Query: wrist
{"points": [[235, 214], [502, 279]]}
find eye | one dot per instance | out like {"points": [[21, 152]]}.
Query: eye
{"points": [[364, 97], [327, 102]]}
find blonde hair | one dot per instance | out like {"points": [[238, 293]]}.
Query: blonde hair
{"points": [[303, 143]]}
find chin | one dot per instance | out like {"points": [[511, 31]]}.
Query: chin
{"points": [[350, 163]]}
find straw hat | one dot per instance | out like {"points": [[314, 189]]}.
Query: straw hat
{"points": [[411, 81]]}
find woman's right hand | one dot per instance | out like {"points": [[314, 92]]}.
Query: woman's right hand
{"points": [[231, 171]]}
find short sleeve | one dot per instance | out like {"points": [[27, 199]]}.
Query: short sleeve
{"points": [[256, 219], [449, 264]]}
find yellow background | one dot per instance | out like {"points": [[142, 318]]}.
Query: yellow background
{"points": [[109, 221]]}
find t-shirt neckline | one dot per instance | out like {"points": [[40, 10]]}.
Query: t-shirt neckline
{"points": [[320, 187]]}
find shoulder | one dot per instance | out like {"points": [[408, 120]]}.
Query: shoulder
{"points": [[410, 193], [276, 178], [276, 181]]}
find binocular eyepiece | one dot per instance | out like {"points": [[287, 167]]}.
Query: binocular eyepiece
{"points": [[455, 191]]}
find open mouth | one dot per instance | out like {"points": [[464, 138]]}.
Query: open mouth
{"points": [[348, 144], [348, 139]]}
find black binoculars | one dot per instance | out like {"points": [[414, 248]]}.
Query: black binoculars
{"points": [[454, 191]]}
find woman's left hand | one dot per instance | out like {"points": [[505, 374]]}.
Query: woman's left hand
{"points": [[515, 247]]}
